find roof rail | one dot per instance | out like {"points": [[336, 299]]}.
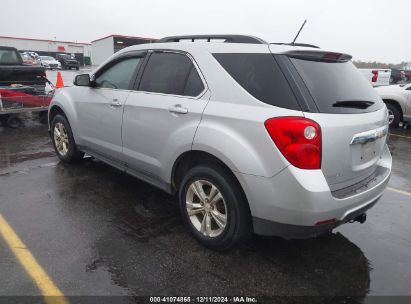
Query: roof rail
{"points": [[228, 38], [297, 44]]}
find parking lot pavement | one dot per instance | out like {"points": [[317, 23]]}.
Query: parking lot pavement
{"points": [[96, 231]]}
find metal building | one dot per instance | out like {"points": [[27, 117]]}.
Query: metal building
{"points": [[105, 47], [82, 51]]}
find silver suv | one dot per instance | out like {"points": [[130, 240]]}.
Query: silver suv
{"points": [[275, 139]]}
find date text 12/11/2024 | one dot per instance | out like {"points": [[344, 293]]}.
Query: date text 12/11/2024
{"points": [[201, 299]]}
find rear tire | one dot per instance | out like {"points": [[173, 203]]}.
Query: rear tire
{"points": [[217, 223], [63, 140], [14, 122], [394, 115]]}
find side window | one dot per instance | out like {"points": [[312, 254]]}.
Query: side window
{"points": [[194, 85], [171, 73], [119, 75], [259, 75]]}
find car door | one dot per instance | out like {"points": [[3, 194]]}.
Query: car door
{"points": [[100, 109], [161, 117]]}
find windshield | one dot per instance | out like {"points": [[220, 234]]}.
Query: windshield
{"points": [[338, 87], [48, 58], [65, 57], [9, 57]]}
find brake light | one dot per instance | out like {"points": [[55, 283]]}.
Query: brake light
{"points": [[298, 139], [374, 75], [332, 56], [330, 221]]}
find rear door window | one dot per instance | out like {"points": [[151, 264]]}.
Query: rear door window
{"points": [[261, 76], [338, 87], [171, 73]]}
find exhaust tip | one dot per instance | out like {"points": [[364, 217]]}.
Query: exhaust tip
{"points": [[360, 218]]}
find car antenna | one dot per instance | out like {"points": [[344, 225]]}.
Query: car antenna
{"points": [[293, 43]]}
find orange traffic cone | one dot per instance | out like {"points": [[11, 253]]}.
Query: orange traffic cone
{"points": [[59, 81]]}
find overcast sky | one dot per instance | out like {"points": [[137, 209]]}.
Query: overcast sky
{"points": [[367, 29]]}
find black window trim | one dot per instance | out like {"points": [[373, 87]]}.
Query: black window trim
{"points": [[297, 84], [108, 65], [200, 74]]}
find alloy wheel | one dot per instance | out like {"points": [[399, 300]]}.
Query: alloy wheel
{"points": [[206, 208], [61, 139], [391, 116]]}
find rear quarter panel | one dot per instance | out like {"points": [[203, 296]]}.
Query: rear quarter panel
{"points": [[237, 136]]}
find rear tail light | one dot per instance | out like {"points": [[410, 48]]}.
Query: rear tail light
{"points": [[374, 75], [332, 56], [298, 139], [326, 222]]}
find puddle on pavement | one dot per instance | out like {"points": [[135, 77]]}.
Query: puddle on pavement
{"points": [[29, 142]]}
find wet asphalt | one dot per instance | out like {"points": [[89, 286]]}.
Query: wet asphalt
{"points": [[97, 231]]}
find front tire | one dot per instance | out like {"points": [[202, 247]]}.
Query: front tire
{"points": [[63, 140], [213, 207]]}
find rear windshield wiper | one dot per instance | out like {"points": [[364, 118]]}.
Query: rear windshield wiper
{"points": [[358, 104]]}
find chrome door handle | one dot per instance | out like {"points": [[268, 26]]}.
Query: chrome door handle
{"points": [[178, 109], [115, 103]]}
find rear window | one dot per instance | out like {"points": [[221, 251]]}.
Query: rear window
{"points": [[9, 57], [338, 87], [260, 75]]}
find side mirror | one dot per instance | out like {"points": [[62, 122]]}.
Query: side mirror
{"points": [[82, 80]]}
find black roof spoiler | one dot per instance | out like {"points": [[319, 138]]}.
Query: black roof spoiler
{"points": [[208, 38], [318, 55], [297, 44]]}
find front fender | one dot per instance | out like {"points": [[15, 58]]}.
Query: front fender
{"points": [[64, 98], [402, 101]]}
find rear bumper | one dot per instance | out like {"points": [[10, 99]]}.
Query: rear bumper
{"points": [[288, 231], [72, 65], [291, 203]]}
